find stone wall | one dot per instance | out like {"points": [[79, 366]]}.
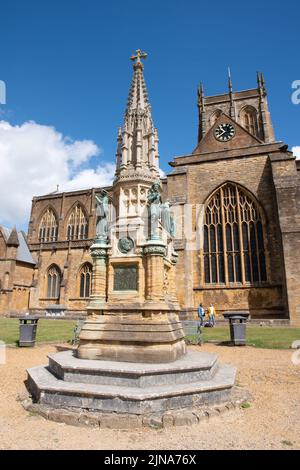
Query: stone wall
{"points": [[62, 204], [287, 191], [15, 280], [198, 181], [69, 256], [69, 262]]}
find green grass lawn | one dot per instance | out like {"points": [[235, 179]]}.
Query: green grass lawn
{"points": [[47, 330], [259, 337], [62, 330]]}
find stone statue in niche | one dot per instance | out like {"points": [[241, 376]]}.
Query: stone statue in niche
{"points": [[172, 226], [154, 203], [102, 213], [167, 219]]}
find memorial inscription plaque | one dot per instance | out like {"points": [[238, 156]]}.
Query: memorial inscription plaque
{"points": [[126, 277]]}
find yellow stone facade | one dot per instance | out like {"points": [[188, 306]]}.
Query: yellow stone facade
{"points": [[252, 161]]}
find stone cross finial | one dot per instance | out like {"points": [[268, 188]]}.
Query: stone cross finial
{"points": [[139, 55]]}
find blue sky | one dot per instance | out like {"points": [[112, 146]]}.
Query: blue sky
{"points": [[66, 64]]}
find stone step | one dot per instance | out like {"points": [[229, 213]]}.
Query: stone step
{"points": [[192, 367], [47, 389]]}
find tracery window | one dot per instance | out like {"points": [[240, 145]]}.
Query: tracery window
{"points": [[77, 228], [85, 280], [53, 282], [233, 247], [48, 229], [249, 120]]}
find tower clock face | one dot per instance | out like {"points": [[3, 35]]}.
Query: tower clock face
{"points": [[224, 132]]}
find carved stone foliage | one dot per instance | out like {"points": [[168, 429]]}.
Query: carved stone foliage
{"points": [[155, 250], [98, 252]]}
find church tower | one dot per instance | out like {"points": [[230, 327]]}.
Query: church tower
{"points": [[249, 108], [240, 186]]}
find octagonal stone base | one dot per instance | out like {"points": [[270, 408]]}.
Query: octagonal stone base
{"points": [[132, 337], [131, 388]]}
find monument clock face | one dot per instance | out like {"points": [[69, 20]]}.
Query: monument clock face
{"points": [[224, 132]]}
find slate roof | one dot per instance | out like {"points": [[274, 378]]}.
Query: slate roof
{"points": [[23, 253]]}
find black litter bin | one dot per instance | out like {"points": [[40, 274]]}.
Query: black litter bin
{"points": [[237, 324], [28, 326]]}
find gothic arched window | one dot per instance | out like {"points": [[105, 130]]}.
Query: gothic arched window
{"points": [[48, 229], [85, 280], [53, 282], [77, 228], [233, 239], [249, 120], [214, 116]]}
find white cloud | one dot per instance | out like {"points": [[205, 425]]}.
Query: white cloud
{"points": [[90, 178], [296, 151], [162, 174], [34, 159]]}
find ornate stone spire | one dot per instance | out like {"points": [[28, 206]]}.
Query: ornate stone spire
{"points": [[138, 97], [267, 126], [201, 111], [232, 107], [137, 152]]}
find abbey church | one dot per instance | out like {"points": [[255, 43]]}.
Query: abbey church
{"points": [[235, 201]]}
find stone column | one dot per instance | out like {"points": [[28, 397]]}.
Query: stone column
{"points": [[155, 250], [99, 279]]}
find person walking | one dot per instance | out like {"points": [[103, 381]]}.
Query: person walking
{"points": [[201, 314], [211, 315]]}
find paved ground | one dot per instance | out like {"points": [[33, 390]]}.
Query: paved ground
{"points": [[271, 422]]}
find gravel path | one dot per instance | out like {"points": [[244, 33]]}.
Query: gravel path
{"points": [[271, 422]]}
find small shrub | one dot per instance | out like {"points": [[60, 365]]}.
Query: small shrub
{"points": [[245, 405], [286, 443]]}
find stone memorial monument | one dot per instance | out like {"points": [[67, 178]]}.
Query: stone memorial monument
{"points": [[132, 358], [133, 312]]}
